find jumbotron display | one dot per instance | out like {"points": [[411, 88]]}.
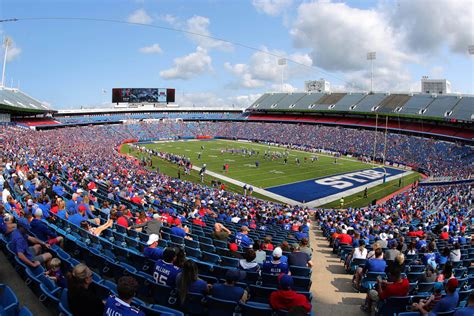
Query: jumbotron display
{"points": [[140, 95]]}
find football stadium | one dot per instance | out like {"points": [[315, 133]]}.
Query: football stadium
{"points": [[232, 188]]}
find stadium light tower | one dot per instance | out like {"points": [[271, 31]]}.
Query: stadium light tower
{"points": [[371, 56], [282, 63], [6, 42]]}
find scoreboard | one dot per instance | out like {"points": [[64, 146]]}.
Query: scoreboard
{"points": [[143, 95]]}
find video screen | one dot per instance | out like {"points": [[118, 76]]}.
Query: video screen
{"points": [[143, 95]]}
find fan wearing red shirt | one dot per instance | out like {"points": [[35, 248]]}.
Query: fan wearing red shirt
{"points": [[444, 235], [385, 289], [121, 220], [344, 238], [285, 298]]}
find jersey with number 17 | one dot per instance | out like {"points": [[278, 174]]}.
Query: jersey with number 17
{"points": [[165, 273]]}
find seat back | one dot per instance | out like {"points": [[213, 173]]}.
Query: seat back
{"points": [[218, 307]]}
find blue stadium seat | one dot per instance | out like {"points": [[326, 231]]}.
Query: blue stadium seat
{"points": [[63, 304], [229, 262], [210, 257], [218, 307], [158, 310], [393, 305], [194, 304], [24, 311], [8, 301], [300, 271], [256, 309]]}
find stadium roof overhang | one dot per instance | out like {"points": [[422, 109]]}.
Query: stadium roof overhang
{"points": [[14, 110]]}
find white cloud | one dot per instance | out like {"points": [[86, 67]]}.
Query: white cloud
{"points": [[169, 18], [13, 51], [189, 66], [340, 36], [272, 7], [286, 87], [431, 25], [437, 71], [263, 68], [140, 16], [200, 25], [152, 49]]}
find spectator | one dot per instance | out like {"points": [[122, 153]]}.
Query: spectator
{"points": [[426, 305], [152, 226], [228, 291], [165, 270], [221, 232], [127, 288], [261, 255], [188, 281], [298, 258], [6, 222], [83, 295], [96, 231], [469, 310], [285, 298], [304, 247], [179, 230], [392, 252], [385, 289], [447, 303], [153, 251], [275, 266], [79, 216], [249, 262], [55, 273], [43, 232], [242, 239], [267, 243], [376, 264], [455, 255], [32, 256]]}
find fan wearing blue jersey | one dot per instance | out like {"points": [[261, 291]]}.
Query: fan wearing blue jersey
{"points": [[242, 239], [127, 287], [165, 270], [275, 266]]}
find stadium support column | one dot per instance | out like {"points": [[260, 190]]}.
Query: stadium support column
{"points": [[371, 56], [470, 49], [375, 137], [282, 63], [6, 42]]}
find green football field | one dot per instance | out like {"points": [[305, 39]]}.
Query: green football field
{"points": [[271, 171]]}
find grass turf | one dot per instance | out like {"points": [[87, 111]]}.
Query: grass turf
{"points": [[269, 173]]}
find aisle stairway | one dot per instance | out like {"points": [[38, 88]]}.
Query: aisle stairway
{"points": [[331, 287]]}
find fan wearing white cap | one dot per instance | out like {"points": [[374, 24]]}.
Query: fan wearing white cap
{"points": [[276, 266], [153, 251], [42, 231]]}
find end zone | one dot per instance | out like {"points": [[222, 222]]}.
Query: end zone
{"points": [[319, 191]]}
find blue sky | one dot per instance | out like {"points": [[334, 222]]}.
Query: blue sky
{"points": [[69, 63]]}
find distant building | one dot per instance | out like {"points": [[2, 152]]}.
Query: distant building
{"points": [[438, 86], [320, 85]]}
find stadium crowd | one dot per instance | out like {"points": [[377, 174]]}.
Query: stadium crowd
{"points": [[76, 180], [415, 249], [438, 158]]}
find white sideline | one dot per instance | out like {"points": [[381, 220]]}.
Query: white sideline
{"points": [[255, 189]]}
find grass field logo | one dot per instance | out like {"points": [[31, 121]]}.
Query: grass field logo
{"points": [[276, 171]]}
